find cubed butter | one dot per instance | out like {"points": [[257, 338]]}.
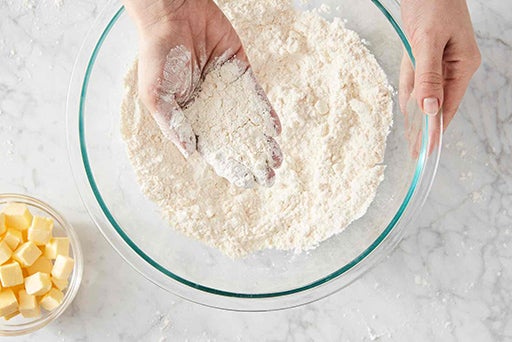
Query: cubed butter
{"points": [[3, 226], [27, 254], [42, 264], [61, 284], [40, 231], [13, 238], [43, 223], [12, 315], [38, 284], [52, 299], [57, 246], [62, 267], [8, 303], [5, 252], [34, 265], [38, 236], [10, 274], [17, 288], [28, 305], [17, 216]]}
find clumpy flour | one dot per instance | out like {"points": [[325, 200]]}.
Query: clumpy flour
{"points": [[335, 106]]}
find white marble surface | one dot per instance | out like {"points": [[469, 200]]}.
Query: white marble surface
{"points": [[449, 280]]}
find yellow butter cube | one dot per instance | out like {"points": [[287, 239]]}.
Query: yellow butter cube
{"points": [[17, 216], [40, 231], [8, 303], [28, 305], [52, 299], [17, 288], [57, 246], [12, 315], [42, 264], [61, 284], [62, 267], [27, 254], [5, 252], [43, 223], [3, 226], [10, 274], [13, 238], [38, 236], [38, 284]]}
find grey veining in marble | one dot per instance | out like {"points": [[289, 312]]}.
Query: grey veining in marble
{"points": [[449, 280]]}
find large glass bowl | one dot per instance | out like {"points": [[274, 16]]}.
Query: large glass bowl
{"points": [[266, 280]]}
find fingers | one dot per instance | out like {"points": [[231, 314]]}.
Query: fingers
{"points": [[434, 131], [413, 127], [186, 139], [174, 126], [273, 128], [406, 83], [415, 145], [414, 132], [428, 78], [454, 91], [236, 173], [274, 124], [263, 171], [247, 177], [242, 176], [275, 155], [457, 77], [264, 175], [428, 86], [251, 154], [415, 139]]}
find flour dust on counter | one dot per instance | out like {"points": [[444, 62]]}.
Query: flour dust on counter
{"points": [[335, 106]]}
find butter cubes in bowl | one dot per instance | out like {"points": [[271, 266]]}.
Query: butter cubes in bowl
{"points": [[40, 264]]}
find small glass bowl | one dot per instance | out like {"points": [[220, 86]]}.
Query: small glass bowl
{"points": [[20, 325]]}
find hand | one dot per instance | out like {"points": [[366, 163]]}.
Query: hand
{"points": [[180, 42], [443, 43]]}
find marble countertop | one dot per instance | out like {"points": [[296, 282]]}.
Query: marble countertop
{"points": [[450, 279]]}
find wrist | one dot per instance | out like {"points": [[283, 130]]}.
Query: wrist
{"points": [[148, 14]]}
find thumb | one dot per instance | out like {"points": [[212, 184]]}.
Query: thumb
{"points": [[428, 78], [174, 126]]}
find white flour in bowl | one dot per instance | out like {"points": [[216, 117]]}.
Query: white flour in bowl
{"points": [[335, 106]]}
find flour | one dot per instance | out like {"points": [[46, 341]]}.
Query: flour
{"points": [[179, 79], [226, 117], [335, 106], [232, 122]]}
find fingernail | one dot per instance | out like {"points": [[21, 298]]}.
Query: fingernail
{"points": [[431, 105]]}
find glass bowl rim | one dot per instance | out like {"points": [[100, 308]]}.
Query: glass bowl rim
{"points": [[79, 153]]}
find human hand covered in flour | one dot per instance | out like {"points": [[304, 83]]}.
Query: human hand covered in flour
{"points": [[181, 43]]}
